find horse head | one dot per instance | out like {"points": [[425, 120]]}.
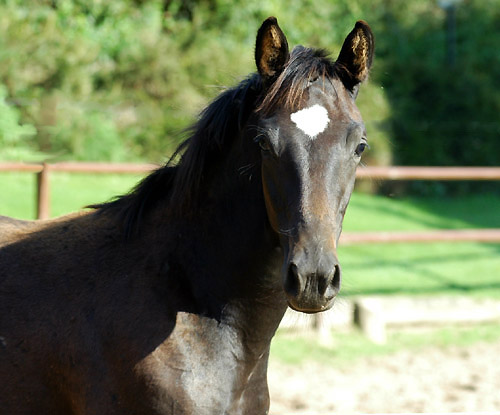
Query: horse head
{"points": [[311, 137]]}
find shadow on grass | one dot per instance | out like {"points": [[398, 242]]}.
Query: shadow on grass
{"points": [[428, 259], [427, 267], [448, 286], [474, 211]]}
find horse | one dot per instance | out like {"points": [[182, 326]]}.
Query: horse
{"points": [[165, 300]]}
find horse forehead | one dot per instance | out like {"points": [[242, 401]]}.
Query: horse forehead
{"points": [[312, 120], [321, 111]]}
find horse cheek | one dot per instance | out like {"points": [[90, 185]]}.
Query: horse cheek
{"points": [[272, 213]]}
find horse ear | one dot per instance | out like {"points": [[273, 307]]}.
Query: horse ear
{"points": [[271, 50], [356, 55]]}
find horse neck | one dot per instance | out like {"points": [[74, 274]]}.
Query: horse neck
{"points": [[228, 253]]}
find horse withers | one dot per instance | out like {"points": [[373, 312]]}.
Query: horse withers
{"points": [[165, 300]]}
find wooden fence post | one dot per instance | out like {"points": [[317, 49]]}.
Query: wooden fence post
{"points": [[43, 193]]}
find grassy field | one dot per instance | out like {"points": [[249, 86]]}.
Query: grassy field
{"points": [[471, 269], [69, 192], [348, 346], [416, 269], [422, 268]]}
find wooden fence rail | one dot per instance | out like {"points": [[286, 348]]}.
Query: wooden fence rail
{"points": [[428, 173], [43, 170]]}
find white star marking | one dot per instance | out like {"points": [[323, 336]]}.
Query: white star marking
{"points": [[312, 120]]}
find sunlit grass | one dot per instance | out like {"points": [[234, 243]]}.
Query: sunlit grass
{"points": [[69, 192], [416, 269], [378, 213], [460, 268], [347, 347], [86, 189], [402, 269]]}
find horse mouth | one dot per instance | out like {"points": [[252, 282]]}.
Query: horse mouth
{"points": [[309, 308]]}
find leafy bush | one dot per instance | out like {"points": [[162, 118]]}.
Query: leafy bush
{"points": [[119, 80], [444, 108], [132, 75], [13, 135]]}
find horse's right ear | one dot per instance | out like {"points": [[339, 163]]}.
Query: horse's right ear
{"points": [[271, 50]]}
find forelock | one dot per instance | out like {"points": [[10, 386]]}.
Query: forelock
{"points": [[304, 66]]}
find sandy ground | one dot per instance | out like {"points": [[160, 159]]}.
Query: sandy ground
{"points": [[433, 380]]}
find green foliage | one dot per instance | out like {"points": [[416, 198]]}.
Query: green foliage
{"points": [[13, 135], [114, 80], [94, 74], [120, 80], [97, 136], [443, 93]]}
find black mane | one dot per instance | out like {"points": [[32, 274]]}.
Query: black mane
{"points": [[179, 184], [305, 65]]}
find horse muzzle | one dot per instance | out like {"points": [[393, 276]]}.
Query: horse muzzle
{"points": [[312, 287]]}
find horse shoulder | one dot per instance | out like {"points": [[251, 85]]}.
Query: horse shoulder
{"points": [[11, 228]]}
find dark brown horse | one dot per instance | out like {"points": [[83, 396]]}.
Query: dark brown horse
{"points": [[165, 300]]}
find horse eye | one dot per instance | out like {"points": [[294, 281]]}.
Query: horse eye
{"points": [[263, 143], [360, 148]]}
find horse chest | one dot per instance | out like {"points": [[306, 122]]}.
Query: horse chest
{"points": [[204, 369]]}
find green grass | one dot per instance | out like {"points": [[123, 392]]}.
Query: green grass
{"points": [[471, 269], [464, 268], [347, 347], [69, 192], [421, 268], [377, 213], [416, 269], [86, 189]]}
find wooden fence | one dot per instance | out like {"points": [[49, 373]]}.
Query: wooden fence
{"points": [[43, 170]]}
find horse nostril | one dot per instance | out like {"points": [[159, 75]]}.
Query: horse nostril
{"points": [[293, 282], [333, 285]]}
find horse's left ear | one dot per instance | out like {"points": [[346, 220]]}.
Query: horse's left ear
{"points": [[271, 50], [355, 58]]}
